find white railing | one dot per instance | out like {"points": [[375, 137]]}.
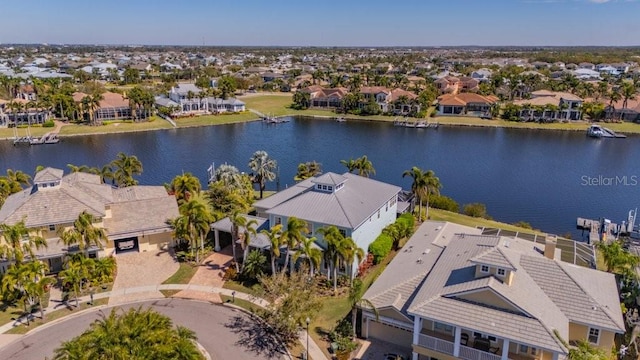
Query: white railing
{"points": [[469, 353], [433, 343]]}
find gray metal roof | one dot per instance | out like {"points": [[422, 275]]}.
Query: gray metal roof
{"points": [[259, 240], [283, 195], [348, 207], [329, 179]]}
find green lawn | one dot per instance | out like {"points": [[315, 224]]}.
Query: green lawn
{"points": [[23, 329], [238, 286], [182, 276], [154, 124], [247, 305], [208, 120], [442, 215]]}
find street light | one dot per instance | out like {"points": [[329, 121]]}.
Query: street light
{"points": [[308, 322]]}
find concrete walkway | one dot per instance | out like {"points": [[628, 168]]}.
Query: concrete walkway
{"points": [[314, 350]]}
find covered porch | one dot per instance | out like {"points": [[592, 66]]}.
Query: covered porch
{"points": [[443, 341]]}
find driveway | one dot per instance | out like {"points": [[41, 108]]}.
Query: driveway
{"points": [[142, 269], [224, 332], [209, 273], [375, 350]]}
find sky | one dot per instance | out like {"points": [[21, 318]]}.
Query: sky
{"points": [[323, 22]]}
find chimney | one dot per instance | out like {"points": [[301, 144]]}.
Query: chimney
{"points": [[550, 242]]}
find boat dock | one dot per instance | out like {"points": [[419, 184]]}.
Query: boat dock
{"points": [[420, 124], [599, 230], [608, 133], [48, 138]]}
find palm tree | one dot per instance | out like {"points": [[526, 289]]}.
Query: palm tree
{"points": [[614, 96], [275, 240], [17, 242], [197, 220], [310, 252], [308, 170], [263, 169], [28, 281], [184, 186], [424, 183], [616, 258], [351, 164], [628, 92], [249, 231], [364, 166], [351, 253], [125, 167], [75, 274], [293, 236], [335, 248], [355, 299], [84, 233], [18, 177], [239, 223], [229, 175]]}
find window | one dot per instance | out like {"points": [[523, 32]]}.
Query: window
{"points": [[330, 188], [343, 232], [43, 185], [594, 335], [524, 349], [310, 228], [319, 187], [52, 228], [378, 214], [443, 328], [278, 220], [501, 272], [484, 268]]}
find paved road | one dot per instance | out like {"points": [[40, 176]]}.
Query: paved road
{"points": [[225, 333]]}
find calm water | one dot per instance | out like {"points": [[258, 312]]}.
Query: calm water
{"points": [[536, 176]]}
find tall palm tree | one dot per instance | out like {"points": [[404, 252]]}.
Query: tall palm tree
{"points": [[17, 242], [18, 177], [614, 96], [616, 258], [249, 231], [238, 223], [355, 299], [293, 235], [184, 186], [229, 175], [197, 219], [628, 92], [351, 253], [124, 168], [74, 275], [84, 233], [275, 240], [365, 166], [26, 280], [335, 249], [310, 252], [263, 168], [424, 184], [350, 164]]}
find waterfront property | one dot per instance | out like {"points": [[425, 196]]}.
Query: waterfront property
{"points": [[188, 99], [454, 293], [20, 112], [469, 104], [454, 85], [112, 106], [397, 101], [548, 105], [359, 207], [134, 218], [629, 112]]}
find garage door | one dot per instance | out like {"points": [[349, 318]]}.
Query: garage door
{"points": [[126, 245], [390, 334]]}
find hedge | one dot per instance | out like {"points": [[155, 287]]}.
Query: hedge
{"points": [[381, 247], [444, 203]]}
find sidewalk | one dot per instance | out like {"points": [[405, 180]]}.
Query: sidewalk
{"points": [[314, 352]]}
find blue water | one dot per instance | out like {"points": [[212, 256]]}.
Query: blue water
{"points": [[537, 176]]}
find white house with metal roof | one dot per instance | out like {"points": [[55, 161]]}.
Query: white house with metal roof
{"points": [[359, 207], [134, 217], [453, 293]]}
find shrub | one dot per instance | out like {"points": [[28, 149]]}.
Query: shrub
{"points": [[230, 273], [48, 124], [381, 247], [475, 210], [523, 224], [444, 203]]}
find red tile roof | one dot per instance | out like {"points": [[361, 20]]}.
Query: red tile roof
{"points": [[465, 98]]}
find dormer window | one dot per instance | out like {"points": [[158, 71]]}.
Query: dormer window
{"points": [[484, 268], [501, 272]]}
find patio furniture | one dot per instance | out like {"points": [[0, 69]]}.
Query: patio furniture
{"points": [[494, 350], [482, 344], [464, 339]]}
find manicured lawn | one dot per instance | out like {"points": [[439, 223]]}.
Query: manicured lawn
{"points": [[247, 305], [6, 133], [182, 276], [442, 215], [155, 124], [238, 286], [23, 329], [208, 120]]}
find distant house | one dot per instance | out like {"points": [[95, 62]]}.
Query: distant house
{"points": [[325, 97], [20, 112], [271, 76], [551, 105], [187, 97], [629, 113], [482, 75], [586, 74], [218, 105], [113, 106], [586, 65], [466, 104], [453, 293], [134, 217], [453, 85]]}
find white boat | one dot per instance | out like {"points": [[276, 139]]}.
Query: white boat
{"points": [[340, 119], [595, 131]]}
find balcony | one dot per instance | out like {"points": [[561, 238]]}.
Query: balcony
{"points": [[440, 343]]}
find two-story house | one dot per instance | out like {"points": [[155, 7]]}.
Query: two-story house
{"points": [[359, 207], [186, 96], [551, 105], [453, 293], [134, 217], [454, 85]]}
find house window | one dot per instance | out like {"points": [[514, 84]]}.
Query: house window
{"points": [[52, 228], [44, 185], [484, 268], [330, 188], [278, 220], [378, 214], [319, 187], [310, 228], [443, 328], [524, 349], [594, 336], [343, 232], [501, 272]]}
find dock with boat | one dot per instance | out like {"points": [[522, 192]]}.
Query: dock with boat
{"points": [[605, 230], [597, 131], [420, 124], [48, 138]]}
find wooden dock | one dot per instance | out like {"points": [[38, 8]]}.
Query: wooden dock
{"points": [[598, 231]]}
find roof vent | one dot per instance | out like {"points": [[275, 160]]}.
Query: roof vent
{"points": [[419, 261], [506, 243], [438, 228], [426, 251], [594, 308]]}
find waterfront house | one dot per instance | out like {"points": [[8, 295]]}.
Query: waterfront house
{"points": [[112, 106], [453, 293], [188, 98], [325, 97], [359, 207], [134, 217], [219, 105], [545, 105], [454, 85], [20, 112], [629, 113], [466, 104]]}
